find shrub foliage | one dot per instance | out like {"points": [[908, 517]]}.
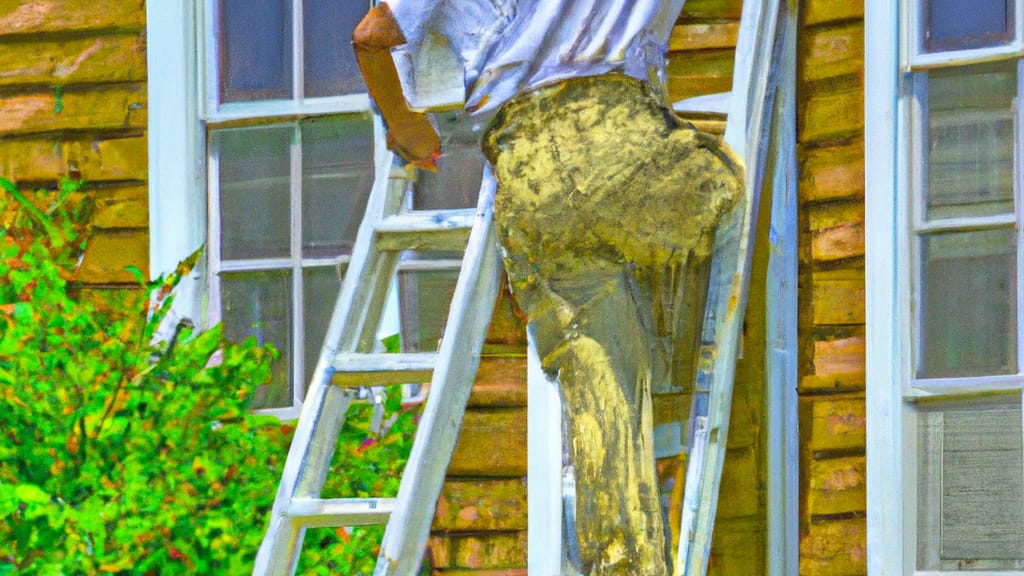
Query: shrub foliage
{"points": [[122, 455]]}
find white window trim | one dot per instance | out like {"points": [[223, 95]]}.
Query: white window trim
{"points": [[177, 203], [885, 488]]}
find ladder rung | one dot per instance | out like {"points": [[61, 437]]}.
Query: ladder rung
{"points": [[355, 370], [337, 512], [426, 230]]}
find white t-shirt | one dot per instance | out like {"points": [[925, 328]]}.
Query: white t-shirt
{"points": [[484, 52]]}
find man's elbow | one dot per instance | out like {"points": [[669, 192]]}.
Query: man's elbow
{"points": [[378, 29]]}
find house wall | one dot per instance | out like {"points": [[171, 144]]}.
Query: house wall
{"points": [[73, 104], [480, 524], [831, 197]]}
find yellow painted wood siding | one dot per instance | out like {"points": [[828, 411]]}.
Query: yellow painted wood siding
{"points": [[73, 104], [831, 195], [479, 527]]}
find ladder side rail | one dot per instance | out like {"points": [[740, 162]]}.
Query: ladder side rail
{"points": [[324, 407], [279, 552], [747, 131], [459, 355]]}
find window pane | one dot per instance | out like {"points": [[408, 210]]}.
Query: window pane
{"points": [[456, 184], [968, 304], [424, 302], [259, 304], [963, 24], [255, 50], [255, 191], [337, 174], [319, 290], [970, 489], [970, 140], [330, 63]]}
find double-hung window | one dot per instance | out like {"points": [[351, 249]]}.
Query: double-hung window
{"points": [[264, 147], [290, 163], [946, 375]]}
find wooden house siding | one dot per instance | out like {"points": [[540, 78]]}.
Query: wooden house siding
{"points": [[73, 104], [831, 196], [479, 526]]}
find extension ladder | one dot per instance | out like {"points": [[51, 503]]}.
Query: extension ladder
{"points": [[748, 128], [347, 363]]}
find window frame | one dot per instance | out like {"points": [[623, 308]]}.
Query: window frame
{"points": [[271, 112], [894, 151], [184, 112]]}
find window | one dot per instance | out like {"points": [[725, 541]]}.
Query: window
{"points": [[944, 210], [264, 147], [290, 164]]}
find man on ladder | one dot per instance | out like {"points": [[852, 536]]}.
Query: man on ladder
{"points": [[602, 197]]}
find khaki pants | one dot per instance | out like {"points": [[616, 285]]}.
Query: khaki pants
{"points": [[601, 193]]}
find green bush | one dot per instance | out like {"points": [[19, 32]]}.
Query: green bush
{"points": [[120, 455]]}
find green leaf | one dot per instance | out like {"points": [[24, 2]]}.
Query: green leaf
{"points": [[137, 274], [392, 344]]}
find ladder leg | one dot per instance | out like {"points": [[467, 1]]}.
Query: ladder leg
{"points": [[477, 290], [304, 473]]}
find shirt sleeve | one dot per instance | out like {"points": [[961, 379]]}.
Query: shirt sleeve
{"points": [[412, 16], [430, 71]]}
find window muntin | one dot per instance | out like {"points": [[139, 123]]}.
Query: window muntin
{"points": [[291, 160]]}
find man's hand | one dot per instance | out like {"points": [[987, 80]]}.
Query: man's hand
{"points": [[410, 134]]}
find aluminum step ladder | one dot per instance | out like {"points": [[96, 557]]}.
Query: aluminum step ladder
{"points": [[348, 363], [748, 128]]}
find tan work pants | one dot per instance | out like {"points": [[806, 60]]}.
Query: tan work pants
{"points": [[600, 190]]}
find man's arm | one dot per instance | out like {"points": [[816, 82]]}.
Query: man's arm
{"points": [[410, 134]]}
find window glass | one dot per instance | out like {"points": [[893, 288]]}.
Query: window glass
{"points": [[964, 24], [258, 304], [968, 304], [426, 296], [456, 184], [970, 489], [255, 192], [970, 140], [337, 175], [329, 61], [255, 50], [320, 287]]}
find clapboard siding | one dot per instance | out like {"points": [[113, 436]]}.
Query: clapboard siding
{"points": [[832, 368]]}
